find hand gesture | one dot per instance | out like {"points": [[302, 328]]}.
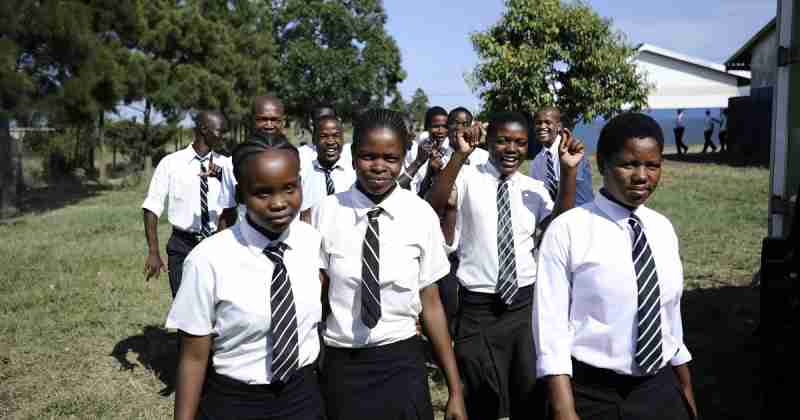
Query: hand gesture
{"points": [[153, 266], [436, 163], [455, 410], [571, 150], [469, 139], [424, 151], [213, 171]]}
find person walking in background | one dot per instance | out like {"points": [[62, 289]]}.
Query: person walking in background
{"points": [[708, 130], [723, 130], [679, 129], [191, 184]]}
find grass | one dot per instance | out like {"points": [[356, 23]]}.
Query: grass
{"points": [[79, 327]]}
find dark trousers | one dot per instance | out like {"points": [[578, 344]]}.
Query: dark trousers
{"points": [[385, 382], [178, 247], [605, 395], [495, 355], [448, 293], [682, 147], [707, 134], [723, 140], [297, 399]]}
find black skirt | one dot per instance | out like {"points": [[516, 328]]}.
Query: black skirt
{"points": [[386, 382]]}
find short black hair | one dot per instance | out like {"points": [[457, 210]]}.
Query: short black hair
{"points": [[318, 122], [452, 115], [629, 125], [501, 118], [433, 112], [318, 108], [258, 143], [379, 118]]}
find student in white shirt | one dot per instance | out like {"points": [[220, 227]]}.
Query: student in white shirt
{"points": [[190, 183], [544, 166], [250, 300], [308, 152], [708, 130], [436, 127], [383, 253], [607, 320], [498, 211], [328, 173], [723, 130], [679, 129]]}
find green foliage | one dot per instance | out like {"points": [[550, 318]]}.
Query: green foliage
{"points": [[335, 51], [419, 105], [548, 52]]}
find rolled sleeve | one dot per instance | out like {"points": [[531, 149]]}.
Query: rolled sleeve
{"points": [[551, 329], [193, 308], [159, 188]]}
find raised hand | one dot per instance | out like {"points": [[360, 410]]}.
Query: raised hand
{"points": [[571, 150], [214, 171]]}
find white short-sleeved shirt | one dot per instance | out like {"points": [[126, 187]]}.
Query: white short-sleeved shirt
{"points": [[475, 241], [586, 297], [412, 257], [583, 182], [708, 123], [308, 154], [176, 185], [478, 156], [225, 292], [314, 186]]}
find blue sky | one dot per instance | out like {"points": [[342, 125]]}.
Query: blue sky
{"points": [[433, 35]]}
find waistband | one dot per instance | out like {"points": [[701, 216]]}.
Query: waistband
{"points": [[523, 298], [230, 386], [194, 237], [401, 349], [588, 374]]}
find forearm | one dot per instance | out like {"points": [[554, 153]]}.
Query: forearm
{"points": [[685, 381], [434, 324], [441, 189], [191, 374], [567, 188], [227, 218], [151, 231], [559, 391]]}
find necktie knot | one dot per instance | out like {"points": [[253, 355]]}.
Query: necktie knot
{"points": [[634, 221], [275, 252], [373, 214]]}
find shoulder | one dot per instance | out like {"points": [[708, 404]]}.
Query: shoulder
{"points": [[215, 248], [531, 184], [306, 233], [170, 158], [655, 219], [224, 161]]}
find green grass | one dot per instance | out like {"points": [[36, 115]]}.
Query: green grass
{"points": [[73, 289]]}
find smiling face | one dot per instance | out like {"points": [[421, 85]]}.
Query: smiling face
{"points": [[329, 142], [459, 122], [438, 128], [271, 189], [378, 160], [508, 147], [547, 126], [631, 175], [268, 116]]}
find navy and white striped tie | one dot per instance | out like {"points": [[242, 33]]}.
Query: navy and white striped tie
{"points": [[550, 178], [283, 326], [205, 219], [329, 186], [370, 271], [648, 337], [506, 255]]}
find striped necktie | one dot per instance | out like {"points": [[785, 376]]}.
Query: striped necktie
{"points": [[283, 325], [205, 219], [370, 271], [329, 187], [550, 178], [506, 255], [648, 337]]}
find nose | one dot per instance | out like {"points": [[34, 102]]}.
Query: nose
{"points": [[278, 203], [639, 174]]}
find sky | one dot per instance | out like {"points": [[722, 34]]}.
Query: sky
{"points": [[433, 35]]}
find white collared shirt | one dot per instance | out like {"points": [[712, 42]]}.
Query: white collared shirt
{"points": [[583, 182], [176, 185], [225, 292], [478, 156], [308, 154], [585, 303], [411, 254], [314, 186], [476, 225]]}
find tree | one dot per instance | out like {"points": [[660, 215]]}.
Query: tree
{"points": [[419, 105], [335, 51], [547, 52], [398, 104]]}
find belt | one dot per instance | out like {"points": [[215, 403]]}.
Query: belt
{"points": [[523, 297], [194, 237]]}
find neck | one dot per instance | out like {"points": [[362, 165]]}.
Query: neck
{"points": [[327, 165], [272, 236], [201, 148], [611, 198], [375, 198]]}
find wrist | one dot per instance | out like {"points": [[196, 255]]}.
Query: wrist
{"points": [[460, 156], [153, 253]]}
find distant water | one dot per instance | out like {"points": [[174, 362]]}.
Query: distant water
{"points": [[693, 120]]}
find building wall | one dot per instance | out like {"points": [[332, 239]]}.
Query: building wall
{"points": [[764, 61], [679, 84]]}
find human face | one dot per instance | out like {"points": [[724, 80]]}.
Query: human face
{"points": [[212, 130], [547, 126], [632, 175], [460, 122], [438, 128], [268, 117], [378, 160], [271, 190], [508, 147], [330, 142]]}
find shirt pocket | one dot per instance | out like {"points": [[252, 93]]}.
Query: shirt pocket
{"points": [[401, 266]]}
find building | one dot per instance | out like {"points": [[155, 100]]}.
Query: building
{"points": [[759, 56]]}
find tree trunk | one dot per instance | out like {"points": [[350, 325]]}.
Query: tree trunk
{"points": [[148, 152], [10, 170]]}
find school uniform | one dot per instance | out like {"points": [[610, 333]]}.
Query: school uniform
{"points": [[546, 167], [607, 311], [378, 258], [193, 203], [495, 245], [420, 186], [319, 182], [708, 124], [260, 301], [308, 154]]}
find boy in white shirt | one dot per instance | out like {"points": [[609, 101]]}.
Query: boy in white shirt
{"points": [[328, 173]]}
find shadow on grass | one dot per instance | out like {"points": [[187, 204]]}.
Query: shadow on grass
{"points": [[156, 349], [719, 158]]}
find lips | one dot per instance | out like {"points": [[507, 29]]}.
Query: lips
{"points": [[281, 219]]}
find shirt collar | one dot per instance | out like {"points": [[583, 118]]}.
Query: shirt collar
{"points": [[337, 165], [256, 241], [489, 168], [554, 147], [392, 205], [614, 211], [191, 154]]}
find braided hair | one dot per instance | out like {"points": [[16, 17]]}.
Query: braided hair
{"points": [[433, 112], [258, 143], [379, 118]]}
